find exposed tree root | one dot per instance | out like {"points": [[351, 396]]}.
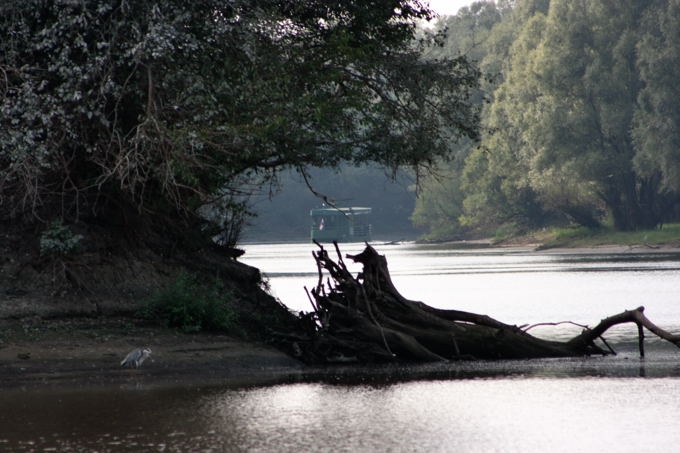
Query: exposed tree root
{"points": [[365, 319]]}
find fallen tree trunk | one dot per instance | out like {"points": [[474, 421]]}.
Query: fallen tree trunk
{"points": [[366, 319]]}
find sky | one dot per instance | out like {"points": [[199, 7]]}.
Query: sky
{"points": [[448, 7]]}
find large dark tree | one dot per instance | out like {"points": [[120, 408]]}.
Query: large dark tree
{"points": [[148, 110]]}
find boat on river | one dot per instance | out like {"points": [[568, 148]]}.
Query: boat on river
{"points": [[350, 224]]}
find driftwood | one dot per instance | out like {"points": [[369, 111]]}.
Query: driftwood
{"points": [[366, 319]]}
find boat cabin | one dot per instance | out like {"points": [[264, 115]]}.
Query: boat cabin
{"points": [[341, 224]]}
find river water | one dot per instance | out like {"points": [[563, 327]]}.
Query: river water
{"points": [[615, 404]]}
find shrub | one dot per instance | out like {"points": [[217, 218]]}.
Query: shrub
{"points": [[59, 240], [193, 306]]}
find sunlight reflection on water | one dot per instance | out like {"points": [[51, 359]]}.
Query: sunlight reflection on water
{"points": [[516, 414], [523, 415]]}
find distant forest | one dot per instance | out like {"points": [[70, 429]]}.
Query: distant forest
{"points": [[580, 117]]}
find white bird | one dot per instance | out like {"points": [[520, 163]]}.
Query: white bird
{"points": [[136, 357]]}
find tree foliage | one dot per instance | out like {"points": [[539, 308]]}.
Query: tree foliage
{"points": [[158, 108], [657, 119], [581, 125], [440, 204]]}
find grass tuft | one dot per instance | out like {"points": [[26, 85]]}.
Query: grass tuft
{"points": [[585, 237]]}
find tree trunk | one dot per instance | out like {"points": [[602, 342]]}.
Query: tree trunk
{"points": [[636, 202], [366, 319]]}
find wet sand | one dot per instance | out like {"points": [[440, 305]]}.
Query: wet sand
{"points": [[88, 352]]}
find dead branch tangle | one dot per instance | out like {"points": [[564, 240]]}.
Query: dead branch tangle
{"points": [[365, 319]]}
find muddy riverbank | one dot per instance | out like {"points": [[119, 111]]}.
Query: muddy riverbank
{"points": [[88, 351]]}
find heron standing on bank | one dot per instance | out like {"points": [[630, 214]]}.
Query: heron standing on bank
{"points": [[136, 357]]}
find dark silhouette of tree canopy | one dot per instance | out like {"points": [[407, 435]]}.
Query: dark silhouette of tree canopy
{"points": [[150, 109]]}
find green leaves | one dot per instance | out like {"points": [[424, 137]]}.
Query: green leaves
{"points": [[568, 100], [657, 120], [161, 105], [59, 240], [582, 125], [193, 306]]}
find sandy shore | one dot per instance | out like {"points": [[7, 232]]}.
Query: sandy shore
{"points": [[87, 352]]}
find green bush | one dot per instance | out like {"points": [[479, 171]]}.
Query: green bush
{"points": [[59, 240], [193, 306]]}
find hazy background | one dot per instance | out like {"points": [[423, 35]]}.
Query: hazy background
{"points": [[284, 215], [448, 7]]}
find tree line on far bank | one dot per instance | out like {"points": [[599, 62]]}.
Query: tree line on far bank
{"points": [[581, 123]]}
